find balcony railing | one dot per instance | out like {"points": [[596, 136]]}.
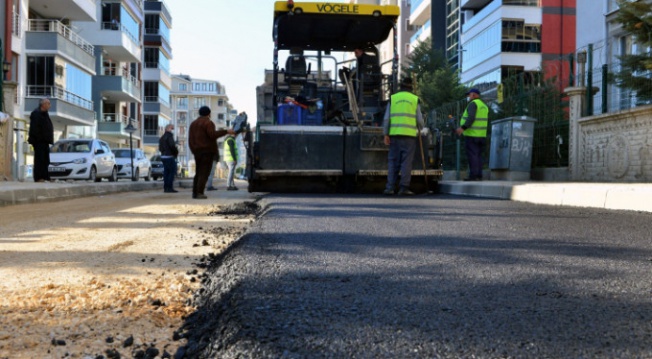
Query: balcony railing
{"points": [[118, 117], [60, 94], [38, 25], [115, 26], [156, 99], [15, 25]]}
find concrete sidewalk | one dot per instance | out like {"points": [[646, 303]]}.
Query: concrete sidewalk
{"points": [[619, 196]]}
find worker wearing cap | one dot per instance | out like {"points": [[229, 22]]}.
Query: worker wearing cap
{"points": [[474, 127], [401, 126]]}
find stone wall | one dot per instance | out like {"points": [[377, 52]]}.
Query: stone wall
{"points": [[615, 147]]}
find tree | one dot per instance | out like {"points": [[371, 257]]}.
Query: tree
{"points": [[635, 68], [437, 81]]}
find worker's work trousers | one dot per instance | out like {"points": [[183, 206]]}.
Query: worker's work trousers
{"points": [[474, 147], [401, 155], [229, 179]]}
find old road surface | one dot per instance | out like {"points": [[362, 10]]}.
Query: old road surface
{"points": [[428, 277]]}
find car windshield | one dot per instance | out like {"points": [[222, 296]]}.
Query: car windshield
{"points": [[155, 158], [121, 153], [71, 146]]}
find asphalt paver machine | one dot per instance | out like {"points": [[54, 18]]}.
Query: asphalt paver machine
{"points": [[320, 115]]}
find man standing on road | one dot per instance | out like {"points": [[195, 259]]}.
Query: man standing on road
{"points": [[230, 158], [202, 140], [401, 126], [474, 127], [41, 136], [169, 153]]}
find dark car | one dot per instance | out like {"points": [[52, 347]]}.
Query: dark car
{"points": [[157, 167]]}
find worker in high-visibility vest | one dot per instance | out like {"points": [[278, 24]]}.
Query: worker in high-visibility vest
{"points": [[474, 127], [401, 126], [231, 159]]}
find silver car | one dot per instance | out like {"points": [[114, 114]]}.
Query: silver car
{"points": [[89, 159], [142, 166]]}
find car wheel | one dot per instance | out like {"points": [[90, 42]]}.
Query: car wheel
{"points": [[149, 175], [136, 175], [114, 175], [92, 176]]}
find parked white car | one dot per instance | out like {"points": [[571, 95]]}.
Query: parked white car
{"points": [[143, 168], [89, 159]]}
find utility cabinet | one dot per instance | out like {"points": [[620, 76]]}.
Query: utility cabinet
{"points": [[510, 155]]}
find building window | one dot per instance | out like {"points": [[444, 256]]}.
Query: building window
{"points": [[151, 125], [220, 103], [408, 26], [520, 37], [220, 116], [199, 102], [182, 103], [151, 91], [183, 87]]}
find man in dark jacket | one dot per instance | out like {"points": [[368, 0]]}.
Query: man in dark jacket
{"points": [[41, 136], [169, 153], [202, 140]]}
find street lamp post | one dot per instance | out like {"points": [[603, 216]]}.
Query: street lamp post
{"points": [[131, 129]]}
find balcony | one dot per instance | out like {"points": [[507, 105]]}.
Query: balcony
{"points": [[154, 38], [67, 108], [117, 86], [157, 105], [154, 72], [474, 4], [80, 10], [419, 12], [53, 36], [160, 7], [421, 34], [118, 42], [112, 126]]}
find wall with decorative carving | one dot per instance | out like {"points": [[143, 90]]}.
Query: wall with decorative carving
{"points": [[615, 147]]}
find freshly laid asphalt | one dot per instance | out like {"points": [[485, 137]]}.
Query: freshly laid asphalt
{"points": [[619, 196]]}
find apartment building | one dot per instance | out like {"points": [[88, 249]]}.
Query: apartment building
{"points": [[50, 58], [157, 81], [501, 38], [117, 89], [187, 96], [604, 40]]}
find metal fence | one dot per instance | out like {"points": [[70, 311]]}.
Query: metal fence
{"points": [[521, 96]]}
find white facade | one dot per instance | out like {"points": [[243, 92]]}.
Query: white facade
{"points": [[482, 56], [599, 34], [187, 96]]}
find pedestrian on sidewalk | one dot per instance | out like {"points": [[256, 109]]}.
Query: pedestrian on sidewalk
{"points": [[169, 153], [202, 140], [41, 136], [211, 176], [474, 127], [401, 126]]}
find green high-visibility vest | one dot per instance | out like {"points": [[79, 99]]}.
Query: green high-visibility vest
{"points": [[479, 126], [403, 114], [228, 156]]}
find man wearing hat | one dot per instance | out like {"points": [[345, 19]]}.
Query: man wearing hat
{"points": [[401, 126], [202, 140], [474, 127]]}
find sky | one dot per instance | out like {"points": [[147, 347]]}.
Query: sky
{"points": [[229, 41]]}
